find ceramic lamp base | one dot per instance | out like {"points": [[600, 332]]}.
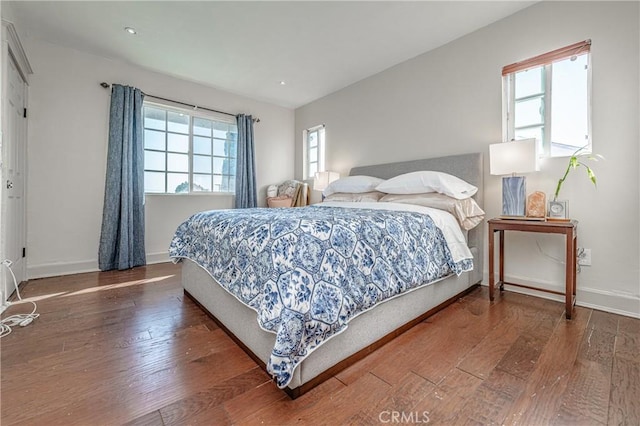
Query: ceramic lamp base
{"points": [[513, 196]]}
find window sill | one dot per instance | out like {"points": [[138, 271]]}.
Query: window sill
{"points": [[187, 194]]}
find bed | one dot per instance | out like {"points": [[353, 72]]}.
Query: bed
{"points": [[367, 330]]}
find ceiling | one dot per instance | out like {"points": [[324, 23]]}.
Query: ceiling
{"points": [[248, 48]]}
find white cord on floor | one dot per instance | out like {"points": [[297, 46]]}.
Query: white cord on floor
{"points": [[18, 319]]}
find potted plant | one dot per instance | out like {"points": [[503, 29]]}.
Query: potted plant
{"points": [[574, 163], [558, 210]]}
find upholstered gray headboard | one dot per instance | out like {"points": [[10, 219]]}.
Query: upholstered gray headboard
{"points": [[469, 167]]}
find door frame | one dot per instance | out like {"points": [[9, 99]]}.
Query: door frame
{"points": [[12, 50]]}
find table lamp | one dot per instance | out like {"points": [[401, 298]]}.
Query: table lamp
{"points": [[509, 158]]}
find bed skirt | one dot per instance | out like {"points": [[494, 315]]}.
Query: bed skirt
{"points": [[365, 333]]}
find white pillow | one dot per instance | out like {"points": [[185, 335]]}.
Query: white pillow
{"points": [[353, 185], [467, 211], [428, 181]]}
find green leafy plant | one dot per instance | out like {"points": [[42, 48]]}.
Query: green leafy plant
{"points": [[575, 161]]}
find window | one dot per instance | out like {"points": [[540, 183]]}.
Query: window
{"points": [[548, 98], [314, 152], [185, 153]]}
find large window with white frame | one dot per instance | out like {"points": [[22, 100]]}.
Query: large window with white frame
{"points": [[314, 151], [548, 98], [186, 152]]}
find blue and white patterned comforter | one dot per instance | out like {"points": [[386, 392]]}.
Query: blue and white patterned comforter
{"points": [[308, 271]]}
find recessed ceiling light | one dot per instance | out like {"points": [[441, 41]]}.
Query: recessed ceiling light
{"points": [[130, 30], [282, 83]]}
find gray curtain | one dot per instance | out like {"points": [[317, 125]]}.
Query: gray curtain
{"points": [[246, 192], [122, 236]]}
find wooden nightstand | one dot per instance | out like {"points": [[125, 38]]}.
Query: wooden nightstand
{"points": [[569, 229]]}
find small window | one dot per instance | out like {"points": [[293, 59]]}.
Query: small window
{"points": [[548, 98], [314, 151], [185, 153]]}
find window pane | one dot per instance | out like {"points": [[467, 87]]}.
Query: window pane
{"points": [[226, 166], [218, 165], [220, 130], [217, 183], [232, 147], [177, 143], [154, 118], [569, 113], [313, 168], [174, 143], [201, 127], [153, 182], [221, 147], [177, 122], [531, 132], [154, 160], [154, 140], [313, 154], [201, 164], [201, 145], [232, 167], [560, 150], [529, 82], [202, 182], [226, 184], [313, 139], [178, 162], [177, 182], [529, 112]]}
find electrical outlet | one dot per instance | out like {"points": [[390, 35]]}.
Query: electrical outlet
{"points": [[584, 257]]}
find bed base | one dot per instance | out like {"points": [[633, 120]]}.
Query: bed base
{"points": [[347, 362], [325, 362]]}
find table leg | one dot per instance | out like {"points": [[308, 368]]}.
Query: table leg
{"points": [[570, 272], [501, 276], [491, 261], [575, 267]]}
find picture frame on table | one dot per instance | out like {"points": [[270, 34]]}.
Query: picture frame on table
{"points": [[558, 210]]}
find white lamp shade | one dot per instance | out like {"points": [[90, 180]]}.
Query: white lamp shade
{"points": [[513, 157], [323, 179]]}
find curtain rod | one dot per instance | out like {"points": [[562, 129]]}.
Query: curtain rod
{"points": [[195, 107]]}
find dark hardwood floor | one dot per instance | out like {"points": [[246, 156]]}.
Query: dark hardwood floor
{"points": [[128, 347]]}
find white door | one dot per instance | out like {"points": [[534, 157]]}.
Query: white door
{"points": [[14, 129]]}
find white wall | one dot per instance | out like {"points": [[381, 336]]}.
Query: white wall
{"points": [[68, 128], [449, 101]]}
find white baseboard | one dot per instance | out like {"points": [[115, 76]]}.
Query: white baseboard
{"points": [[602, 300], [56, 269], [161, 257], [617, 303]]}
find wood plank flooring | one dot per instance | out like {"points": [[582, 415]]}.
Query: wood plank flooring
{"points": [[129, 348]]}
